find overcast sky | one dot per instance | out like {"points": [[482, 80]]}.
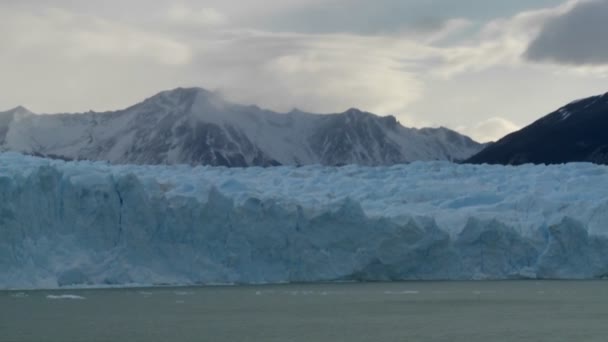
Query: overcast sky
{"points": [[482, 67]]}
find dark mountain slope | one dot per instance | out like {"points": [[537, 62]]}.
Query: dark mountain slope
{"points": [[577, 132]]}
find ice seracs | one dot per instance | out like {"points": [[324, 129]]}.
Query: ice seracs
{"points": [[91, 224]]}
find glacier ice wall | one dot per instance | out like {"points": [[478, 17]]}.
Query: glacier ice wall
{"points": [[82, 223]]}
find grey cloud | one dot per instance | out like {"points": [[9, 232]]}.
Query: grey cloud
{"points": [[381, 16], [69, 62], [81, 57], [310, 16], [577, 37]]}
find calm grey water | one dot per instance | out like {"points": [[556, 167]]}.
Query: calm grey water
{"points": [[425, 311]]}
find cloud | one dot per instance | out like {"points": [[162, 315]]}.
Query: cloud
{"points": [[76, 37], [500, 42], [322, 73], [576, 37], [488, 130], [385, 16], [58, 61], [70, 59], [434, 72], [195, 17]]}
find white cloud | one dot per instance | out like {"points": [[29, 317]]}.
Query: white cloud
{"points": [[326, 73], [77, 37], [316, 72], [488, 130]]}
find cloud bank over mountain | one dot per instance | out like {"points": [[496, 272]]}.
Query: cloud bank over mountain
{"points": [[426, 62]]}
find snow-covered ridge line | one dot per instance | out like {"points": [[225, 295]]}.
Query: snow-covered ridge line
{"points": [[196, 127], [71, 224]]}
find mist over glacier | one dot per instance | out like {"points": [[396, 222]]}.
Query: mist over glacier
{"points": [[91, 224]]}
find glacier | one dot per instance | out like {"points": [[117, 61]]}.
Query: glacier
{"points": [[96, 224]]}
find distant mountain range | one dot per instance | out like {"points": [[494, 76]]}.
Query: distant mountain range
{"points": [[197, 127], [577, 132]]}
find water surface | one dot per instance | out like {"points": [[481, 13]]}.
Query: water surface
{"points": [[424, 311]]}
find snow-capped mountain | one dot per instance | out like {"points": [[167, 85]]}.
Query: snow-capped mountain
{"points": [[194, 126], [573, 133]]}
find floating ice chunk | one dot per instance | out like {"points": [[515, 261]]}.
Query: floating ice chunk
{"points": [[20, 295], [66, 296], [183, 293], [405, 292]]}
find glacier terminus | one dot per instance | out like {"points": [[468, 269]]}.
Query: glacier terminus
{"points": [[97, 224]]}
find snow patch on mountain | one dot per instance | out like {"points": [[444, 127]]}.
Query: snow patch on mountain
{"points": [[565, 113]]}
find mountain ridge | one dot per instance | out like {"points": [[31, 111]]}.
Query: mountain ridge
{"points": [[572, 133], [195, 126]]}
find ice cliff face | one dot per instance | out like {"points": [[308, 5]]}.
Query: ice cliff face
{"points": [[193, 126], [66, 223]]}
